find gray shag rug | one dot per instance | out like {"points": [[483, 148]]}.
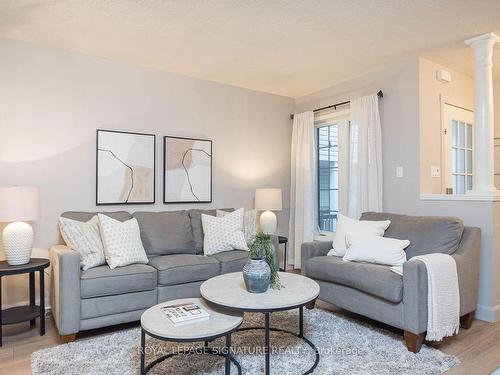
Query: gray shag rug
{"points": [[346, 346]]}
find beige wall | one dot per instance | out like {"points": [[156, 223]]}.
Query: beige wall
{"points": [[52, 102], [496, 99], [400, 117], [459, 92]]}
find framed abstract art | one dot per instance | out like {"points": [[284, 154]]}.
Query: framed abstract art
{"points": [[187, 170], [125, 168]]}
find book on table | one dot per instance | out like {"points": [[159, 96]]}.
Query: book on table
{"points": [[185, 313]]}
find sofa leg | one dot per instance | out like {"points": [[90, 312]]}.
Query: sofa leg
{"points": [[68, 338], [413, 341], [466, 320]]}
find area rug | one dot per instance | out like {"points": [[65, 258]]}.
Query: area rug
{"points": [[346, 346]]}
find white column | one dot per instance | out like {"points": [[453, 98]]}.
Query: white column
{"points": [[484, 182]]}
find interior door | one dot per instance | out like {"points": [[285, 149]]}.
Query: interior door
{"points": [[457, 149]]}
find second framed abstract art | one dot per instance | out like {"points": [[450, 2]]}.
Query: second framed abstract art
{"points": [[187, 170]]}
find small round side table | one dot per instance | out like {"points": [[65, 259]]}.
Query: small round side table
{"points": [[283, 240], [30, 312]]}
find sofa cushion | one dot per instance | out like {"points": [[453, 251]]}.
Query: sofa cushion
{"points": [[184, 268], [166, 232], [86, 216], [427, 234], [231, 261], [374, 279], [104, 281], [195, 217], [196, 226]]}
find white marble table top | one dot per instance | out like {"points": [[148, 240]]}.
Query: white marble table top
{"points": [[221, 321], [229, 290]]}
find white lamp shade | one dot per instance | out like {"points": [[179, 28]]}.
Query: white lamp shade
{"points": [[268, 199], [19, 203]]}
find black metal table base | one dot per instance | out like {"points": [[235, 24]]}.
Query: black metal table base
{"points": [[300, 335], [205, 350]]}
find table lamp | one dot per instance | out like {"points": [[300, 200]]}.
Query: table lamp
{"points": [[17, 205], [268, 200]]}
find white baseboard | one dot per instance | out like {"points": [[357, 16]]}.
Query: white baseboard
{"points": [[488, 314]]}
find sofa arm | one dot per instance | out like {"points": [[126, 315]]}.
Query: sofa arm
{"points": [[467, 258], [415, 282], [65, 289], [414, 297], [313, 249]]}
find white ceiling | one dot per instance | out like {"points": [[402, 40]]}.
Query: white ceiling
{"points": [[286, 47]]}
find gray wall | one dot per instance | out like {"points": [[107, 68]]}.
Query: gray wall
{"points": [[52, 102], [399, 111]]}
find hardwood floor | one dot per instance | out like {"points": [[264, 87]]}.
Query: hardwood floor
{"points": [[478, 348]]}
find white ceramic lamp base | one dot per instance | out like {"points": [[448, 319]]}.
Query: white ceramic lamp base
{"points": [[268, 222], [18, 243]]}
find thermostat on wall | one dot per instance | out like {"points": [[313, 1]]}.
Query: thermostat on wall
{"points": [[443, 75]]}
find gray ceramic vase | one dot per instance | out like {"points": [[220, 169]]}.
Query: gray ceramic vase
{"points": [[257, 275]]}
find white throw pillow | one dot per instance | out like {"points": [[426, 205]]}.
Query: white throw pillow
{"points": [[122, 242], [223, 233], [374, 249], [249, 223], [345, 224], [84, 237]]}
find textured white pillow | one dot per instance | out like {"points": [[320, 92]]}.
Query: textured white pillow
{"points": [[345, 224], [84, 237], [223, 233], [374, 249], [249, 223], [122, 242]]}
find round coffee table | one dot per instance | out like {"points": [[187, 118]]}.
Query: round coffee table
{"points": [[222, 322], [229, 291]]}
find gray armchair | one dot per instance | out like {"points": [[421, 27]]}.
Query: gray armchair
{"points": [[401, 301]]}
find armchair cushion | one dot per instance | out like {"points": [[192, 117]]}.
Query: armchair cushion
{"points": [[377, 280], [427, 234]]}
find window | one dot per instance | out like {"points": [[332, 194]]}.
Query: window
{"points": [[461, 156], [456, 150], [328, 176]]}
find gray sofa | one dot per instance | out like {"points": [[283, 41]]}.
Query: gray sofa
{"points": [[101, 296], [401, 301]]}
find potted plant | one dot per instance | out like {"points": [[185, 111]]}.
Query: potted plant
{"points": [[260, 271]]}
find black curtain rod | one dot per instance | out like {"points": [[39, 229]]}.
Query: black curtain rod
{"points": [[380, 94]]}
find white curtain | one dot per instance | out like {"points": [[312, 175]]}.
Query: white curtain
{"points": [[303, 183], [365, 164], [343, 147]]}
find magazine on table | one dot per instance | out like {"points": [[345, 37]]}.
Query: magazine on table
{"points": [[185, 313]]}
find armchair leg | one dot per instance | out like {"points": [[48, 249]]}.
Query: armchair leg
{"points": [[466, 320], [414, 342], [68, 338]]}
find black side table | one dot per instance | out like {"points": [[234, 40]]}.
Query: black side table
{"points": [[284, 240], [20, 314]]}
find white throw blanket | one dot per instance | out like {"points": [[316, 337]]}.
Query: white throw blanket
{"points": [[443, 297]]}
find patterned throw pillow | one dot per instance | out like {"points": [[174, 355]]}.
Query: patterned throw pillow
{"points": [[249, 223], [122, 242], [223, 233], [84, 237]]}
